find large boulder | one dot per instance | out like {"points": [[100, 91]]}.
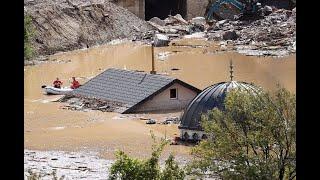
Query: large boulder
{"points": [[267, 10], [161, 40], [157, 21], [198, 21], [230, 35], [175, 20]]}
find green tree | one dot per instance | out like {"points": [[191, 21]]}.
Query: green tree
{"points": [[172, 171], [129, 168], [254, 137], [28, 34]]}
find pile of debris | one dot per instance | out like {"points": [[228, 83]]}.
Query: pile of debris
{"points": [[175, 27], [271, 35], [79, 103], [70, 165], [171, 120], [274, 35]]}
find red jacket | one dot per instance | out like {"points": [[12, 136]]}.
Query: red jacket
{"points": [[57, 83], [75, 84]]}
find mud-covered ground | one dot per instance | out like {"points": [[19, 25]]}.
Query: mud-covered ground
{"points": [[70, 165]]}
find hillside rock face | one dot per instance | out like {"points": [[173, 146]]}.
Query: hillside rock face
{"points": [[63, 25]]}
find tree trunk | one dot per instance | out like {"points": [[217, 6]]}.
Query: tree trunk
{"points": [[281, 173]]}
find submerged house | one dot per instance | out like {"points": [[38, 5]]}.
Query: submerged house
{"points": [[138, 91]]}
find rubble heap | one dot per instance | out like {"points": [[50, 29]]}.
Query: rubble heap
{"points": [[81, 104], [272, 35], [67, 165], [174, 26]]}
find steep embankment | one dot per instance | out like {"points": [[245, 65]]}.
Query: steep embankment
{"points": [[63, 25]]}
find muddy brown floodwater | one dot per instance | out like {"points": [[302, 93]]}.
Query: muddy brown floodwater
{"points": [[49, 127]]}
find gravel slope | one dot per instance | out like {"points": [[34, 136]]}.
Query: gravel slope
{"points": [[63, 25]]}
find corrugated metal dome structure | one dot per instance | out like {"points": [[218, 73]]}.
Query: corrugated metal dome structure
{"points": [[211, 97]]}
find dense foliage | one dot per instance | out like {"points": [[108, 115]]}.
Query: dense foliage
{"points": [[129, 168], [28, 33], [254, 137], [172, 171]]}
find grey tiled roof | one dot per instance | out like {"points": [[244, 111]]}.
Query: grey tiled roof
{"points": [[127, 87]]}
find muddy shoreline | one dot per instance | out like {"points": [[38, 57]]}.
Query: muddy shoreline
{"points": [[72, 165]]}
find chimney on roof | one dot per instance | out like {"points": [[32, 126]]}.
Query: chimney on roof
{"points": [[152, 59]]}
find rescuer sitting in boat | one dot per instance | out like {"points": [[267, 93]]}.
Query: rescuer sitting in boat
{"points": [[75, 84], [57, 83]]}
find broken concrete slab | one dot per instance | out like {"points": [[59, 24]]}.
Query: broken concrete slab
{"points": [[222, 22], [267, 10], [161, 40], [198, 21], [196, 35], [158, 27], [173, 31], [157, 21], [177, 19]]}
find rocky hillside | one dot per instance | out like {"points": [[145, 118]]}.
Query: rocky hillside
{"points": [[63, 25]]}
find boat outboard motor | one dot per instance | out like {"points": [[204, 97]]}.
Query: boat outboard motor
{"points": [[43, 86]]}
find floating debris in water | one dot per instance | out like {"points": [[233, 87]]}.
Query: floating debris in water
{"points": [[119, 117], [164, 55], [118, 41], [57, 128]]}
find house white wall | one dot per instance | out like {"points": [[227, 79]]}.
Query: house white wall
{"points": [[162, 101], [190, 133]]}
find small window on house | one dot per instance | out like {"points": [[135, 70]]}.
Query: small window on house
{"points": [[173, 94]]}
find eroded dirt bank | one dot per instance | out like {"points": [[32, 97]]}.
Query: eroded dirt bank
{"points": [[64, 25]]}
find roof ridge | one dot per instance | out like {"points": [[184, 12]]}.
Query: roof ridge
{"points": [[142, 73]]}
